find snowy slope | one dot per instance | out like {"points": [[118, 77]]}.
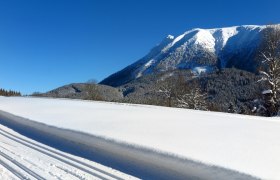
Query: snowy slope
{"points": [[219, 47], [23, 158], [242, 143]]}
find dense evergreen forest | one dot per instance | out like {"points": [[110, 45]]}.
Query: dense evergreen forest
{"points": [[4, 92]]}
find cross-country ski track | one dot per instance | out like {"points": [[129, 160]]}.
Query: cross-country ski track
{"points": [[28, 159]]}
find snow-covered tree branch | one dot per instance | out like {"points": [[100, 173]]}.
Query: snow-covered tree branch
{"points": [[194, 99], [270, 55]]}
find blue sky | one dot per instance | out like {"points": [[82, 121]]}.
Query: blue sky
{"points": [[45, 44]]}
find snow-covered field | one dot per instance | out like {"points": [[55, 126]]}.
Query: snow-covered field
{"points": [[249, 145]]}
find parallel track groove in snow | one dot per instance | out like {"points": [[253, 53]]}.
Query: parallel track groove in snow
{"points": [[48, 152], [56, 155], [26, 169], [12, 170]]}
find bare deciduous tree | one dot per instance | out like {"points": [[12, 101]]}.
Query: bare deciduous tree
{"points": [[92, 81], [93, 93], [270, 56], [167, 88], [192, 99], [181, 94]]}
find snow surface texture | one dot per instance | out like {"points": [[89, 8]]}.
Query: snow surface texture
{"points": [[141, 162], [245, 144], [23, 158]]}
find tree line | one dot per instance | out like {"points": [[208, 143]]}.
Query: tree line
{"points": [[4, 92]]}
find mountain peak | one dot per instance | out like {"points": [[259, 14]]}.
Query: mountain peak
{"points": [[207, 48]]}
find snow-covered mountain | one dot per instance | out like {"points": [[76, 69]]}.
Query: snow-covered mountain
{"points": [[199, 50]]}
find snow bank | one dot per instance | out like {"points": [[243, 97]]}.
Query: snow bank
{"points": [[242, 143]]}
